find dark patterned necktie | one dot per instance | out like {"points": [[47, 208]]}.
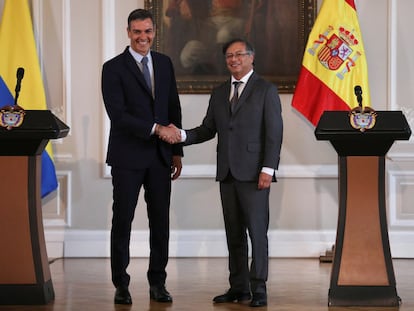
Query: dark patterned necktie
{"points": [[235, 98], [146, 72]]}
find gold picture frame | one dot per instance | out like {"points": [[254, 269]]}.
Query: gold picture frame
{"points": [[192, 33]]}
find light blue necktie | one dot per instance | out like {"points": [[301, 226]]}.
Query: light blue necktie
{"points": [[146, 72]]}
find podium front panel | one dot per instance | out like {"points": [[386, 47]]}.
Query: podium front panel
{"points": [[15, 236], [362, 261], [25, 276]]}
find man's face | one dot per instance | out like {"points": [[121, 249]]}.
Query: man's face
{"points": [[238, 61], [141, 34]]}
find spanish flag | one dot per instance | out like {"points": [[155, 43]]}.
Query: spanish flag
{"points": [[18, 49], [333, 64]]}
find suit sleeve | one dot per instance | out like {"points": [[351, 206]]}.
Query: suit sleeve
{"points": [[206, 131], [273, 128]]}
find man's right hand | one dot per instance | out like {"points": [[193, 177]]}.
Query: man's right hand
{"points": [[170, 134]]}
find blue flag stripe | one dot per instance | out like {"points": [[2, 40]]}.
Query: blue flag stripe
{"points": [[6, 97], [49, 181]]}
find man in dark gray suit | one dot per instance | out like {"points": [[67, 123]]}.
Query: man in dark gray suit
{"points": [[250, 129]]}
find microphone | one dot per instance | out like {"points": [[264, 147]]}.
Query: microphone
{"points": [[19, 76], [358, 93]]}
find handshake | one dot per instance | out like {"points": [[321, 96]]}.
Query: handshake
{"points": [[170, 134]]}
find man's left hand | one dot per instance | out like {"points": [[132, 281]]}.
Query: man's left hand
{"points": [[264, 181], [176, 167]]}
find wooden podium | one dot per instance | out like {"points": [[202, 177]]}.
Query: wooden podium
{"points": [[362, 270], [24, 274]]}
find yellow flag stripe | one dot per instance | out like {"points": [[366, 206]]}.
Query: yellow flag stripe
{"points": [[335, 16], [18, 49]]}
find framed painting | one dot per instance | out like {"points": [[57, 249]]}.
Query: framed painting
{"points": [[192, 33]]}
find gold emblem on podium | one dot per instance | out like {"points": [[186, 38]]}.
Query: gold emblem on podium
{"points": [[11, 116], [362, 118]]}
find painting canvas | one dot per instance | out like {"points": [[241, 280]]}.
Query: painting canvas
{"points": [[192, 33]]}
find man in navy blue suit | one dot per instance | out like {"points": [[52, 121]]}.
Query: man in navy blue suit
{"points": [[141, 99]]}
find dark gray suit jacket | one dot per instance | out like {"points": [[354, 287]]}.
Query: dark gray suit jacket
{"points": [[248, 139]]}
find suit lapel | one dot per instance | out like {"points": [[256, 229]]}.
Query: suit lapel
{"points": [[132, 65], [226, 92]]}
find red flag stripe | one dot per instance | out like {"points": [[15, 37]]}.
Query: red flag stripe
{"points": [[351, 3], [313, 90]]}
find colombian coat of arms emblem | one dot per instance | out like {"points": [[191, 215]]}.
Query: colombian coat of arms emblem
{"points": [[11, 116]]}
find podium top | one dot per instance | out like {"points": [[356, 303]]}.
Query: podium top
{"points": [[37, 124], [335, 126]]}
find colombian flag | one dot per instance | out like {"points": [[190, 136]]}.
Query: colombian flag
{"points": [[18, 49], [333, 64]]}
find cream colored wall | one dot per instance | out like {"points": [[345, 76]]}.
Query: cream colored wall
{"points": [[75, 37]]}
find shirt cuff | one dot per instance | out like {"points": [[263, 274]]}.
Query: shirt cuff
{"points": [[153, 129], [268, 170], [183, 136]]}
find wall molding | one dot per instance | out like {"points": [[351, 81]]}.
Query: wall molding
{"points": [[393, 49], [285, 171], [396, 179], [401, 156], [197, 243], [199, 171], [209, 243], [108, 42], [67, 62], [38, 18], [64, 187]]}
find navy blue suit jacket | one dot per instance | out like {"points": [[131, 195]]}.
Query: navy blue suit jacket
{"points": [[133, 110]]}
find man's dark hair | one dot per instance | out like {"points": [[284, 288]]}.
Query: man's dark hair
{"points": [[140, 14], [249, 47]]}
